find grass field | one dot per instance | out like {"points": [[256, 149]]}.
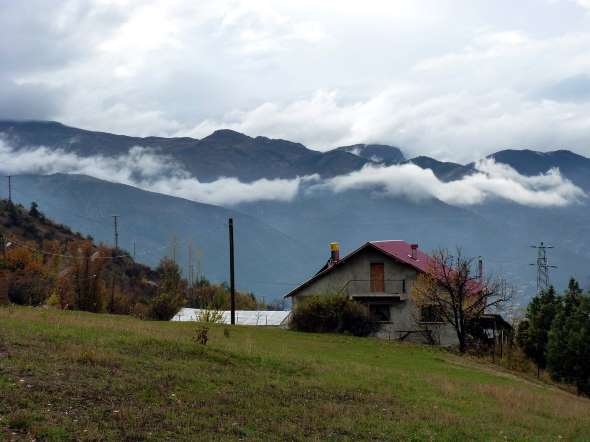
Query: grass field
{"points": [[79, 376]]}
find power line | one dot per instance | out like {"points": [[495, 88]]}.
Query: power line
{"points": [[543, 266], [45, 252]]}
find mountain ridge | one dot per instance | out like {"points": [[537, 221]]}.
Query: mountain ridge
{"points": [[285, 241], [229, 153]]}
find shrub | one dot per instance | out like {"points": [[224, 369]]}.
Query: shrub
{"points": [[34, 211], [210, 315], [28, 289], [164, 306], [202, 335], [332, 313], [141, 310]]}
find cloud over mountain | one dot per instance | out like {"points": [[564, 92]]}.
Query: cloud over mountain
{"points": [[490, 181], [150, 170]]}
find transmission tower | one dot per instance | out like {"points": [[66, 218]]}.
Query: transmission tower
{"points": [[542, 266]]}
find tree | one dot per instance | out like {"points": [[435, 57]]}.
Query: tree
{"points": [[170, 276], [522, 333], [86, 274], [457, 293], [27, 279], [34, 211], [541, 312], [170, 296], [568, 347]]}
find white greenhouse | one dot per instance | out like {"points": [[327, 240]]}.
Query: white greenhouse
{"points": [[243, 317]]}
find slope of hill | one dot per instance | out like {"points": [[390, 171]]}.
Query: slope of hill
{"points": [[80, 376], [265, 257], [47, 255], [17, 223]]}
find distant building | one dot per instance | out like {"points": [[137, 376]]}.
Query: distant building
{"points": [[381, 275], [243, 317]]}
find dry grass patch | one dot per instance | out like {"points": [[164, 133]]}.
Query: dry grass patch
{"points": [[519, 401]]}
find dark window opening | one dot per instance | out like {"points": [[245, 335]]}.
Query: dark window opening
{"points": [[380, 312], [431, 313]]}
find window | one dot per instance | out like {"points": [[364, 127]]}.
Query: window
{"points": [[380, 312], [431, 313]]}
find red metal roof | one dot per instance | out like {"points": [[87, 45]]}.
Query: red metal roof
{"points": [[402, 251], [396, 249]]}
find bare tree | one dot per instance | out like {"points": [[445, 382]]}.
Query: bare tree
{"points": [[458, 293]]}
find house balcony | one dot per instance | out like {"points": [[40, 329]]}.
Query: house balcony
{"points": [[375, 290]]}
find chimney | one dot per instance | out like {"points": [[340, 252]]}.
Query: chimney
{"points": [[334, 252], [480, 268], [414, 248]]}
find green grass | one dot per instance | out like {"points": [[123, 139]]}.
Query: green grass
{"points": [[78, 376]]}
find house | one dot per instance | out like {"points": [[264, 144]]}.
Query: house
{"points": [[381, 275]]}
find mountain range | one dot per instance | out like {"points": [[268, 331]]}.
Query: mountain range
{"points": [[281, 242]]}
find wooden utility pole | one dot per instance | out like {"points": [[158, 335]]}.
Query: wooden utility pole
{"points": [[9, 188], [115, 251], [116, 230], [112, 304], [231, 271], [3, 245]]}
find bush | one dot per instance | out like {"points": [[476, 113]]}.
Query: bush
{"points": [[202, 335], [164, 306], [332, 314], [210, 315], [28, 289]]}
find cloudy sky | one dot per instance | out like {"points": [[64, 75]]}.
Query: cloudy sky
{"points": [[452, 79]]}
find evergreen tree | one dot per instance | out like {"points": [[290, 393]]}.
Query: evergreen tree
{"points": [[540, 314], [522, 333], [171, 291], [568, 351], [34, 210]]}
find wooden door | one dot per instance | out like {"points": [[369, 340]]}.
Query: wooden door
{"points": [[377, 277]]}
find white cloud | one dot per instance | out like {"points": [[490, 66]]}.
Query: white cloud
{"points": [[456, 126], [455, 80], [490, 181], [150, 170]]}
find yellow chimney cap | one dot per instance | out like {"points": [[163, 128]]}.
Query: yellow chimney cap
{"points": [[334, 246]]}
